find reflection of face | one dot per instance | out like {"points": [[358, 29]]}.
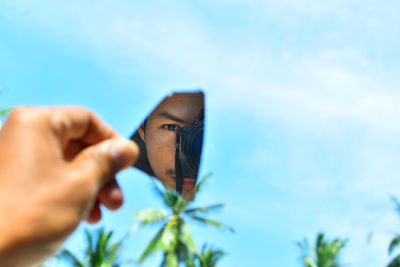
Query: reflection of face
{"points": [[159, 135]]}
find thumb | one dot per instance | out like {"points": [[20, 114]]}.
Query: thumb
{"points": [[102, 161]]}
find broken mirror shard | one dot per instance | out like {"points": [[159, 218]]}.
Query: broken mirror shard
{"points": [[171, 140]]}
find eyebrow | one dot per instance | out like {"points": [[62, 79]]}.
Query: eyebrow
{"points": [[168, 115]]}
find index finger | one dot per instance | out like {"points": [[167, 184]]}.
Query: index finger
{"points": [[79, 124]]}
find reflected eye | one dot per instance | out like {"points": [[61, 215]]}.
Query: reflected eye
{"points": [[171, 127]]}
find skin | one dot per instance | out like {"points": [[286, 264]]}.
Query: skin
{"points": [[57, 167], [159, 135]]}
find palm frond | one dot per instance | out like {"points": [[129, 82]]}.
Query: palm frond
{"points": [[187, 255], [153, 246], [89, 251], [394, 244], [320, 240], [102, 243], [120, 263], [162, 193], [97, 250], [169, 196], [185, 236], [395, 262], [112, 253], [180, 205], [303, 246], [163, 240], [324, 253], [150, 216], [69, 257], [170, 259], [210, 256], [206, 209], [306, 249], [309, 262], [209, 222], [201, 182], [4, 112]]}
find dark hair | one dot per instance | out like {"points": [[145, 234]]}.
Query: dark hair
{"points": [[143, 162]]}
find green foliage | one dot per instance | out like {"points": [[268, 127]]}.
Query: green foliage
{"points": [[323, 254], [45, 265], [70, 258], [395, 242], [209, 256], [99, 252], [395, 262], [174, 239], [4, 112]]}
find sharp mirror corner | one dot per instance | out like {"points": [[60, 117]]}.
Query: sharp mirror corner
{"points": [[171, 140]]}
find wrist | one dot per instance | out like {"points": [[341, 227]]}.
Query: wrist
{"points": [[7, 242], [15, 248]]}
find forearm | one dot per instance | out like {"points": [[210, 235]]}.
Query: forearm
{"points": [[22, 252], [23, 238], [16, 248]]}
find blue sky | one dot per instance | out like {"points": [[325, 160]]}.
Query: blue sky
{"points": [[303, 108]]}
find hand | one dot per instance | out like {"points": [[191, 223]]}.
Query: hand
{"points": [[57, 166]]}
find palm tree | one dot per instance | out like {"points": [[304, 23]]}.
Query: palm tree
{"points": [[99, 251], [395, 242], [323, 254], [174, 239], [209, 256]]}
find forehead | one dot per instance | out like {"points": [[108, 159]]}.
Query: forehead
{"points": [[183, 105]]}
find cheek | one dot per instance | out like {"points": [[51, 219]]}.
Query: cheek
{"points": [[163, 144], [161, 150]]}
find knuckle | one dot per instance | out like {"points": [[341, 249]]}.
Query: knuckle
{"points": [[59, 122], [20, 113], [81, 110], [26, 114], [69, 118]]}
